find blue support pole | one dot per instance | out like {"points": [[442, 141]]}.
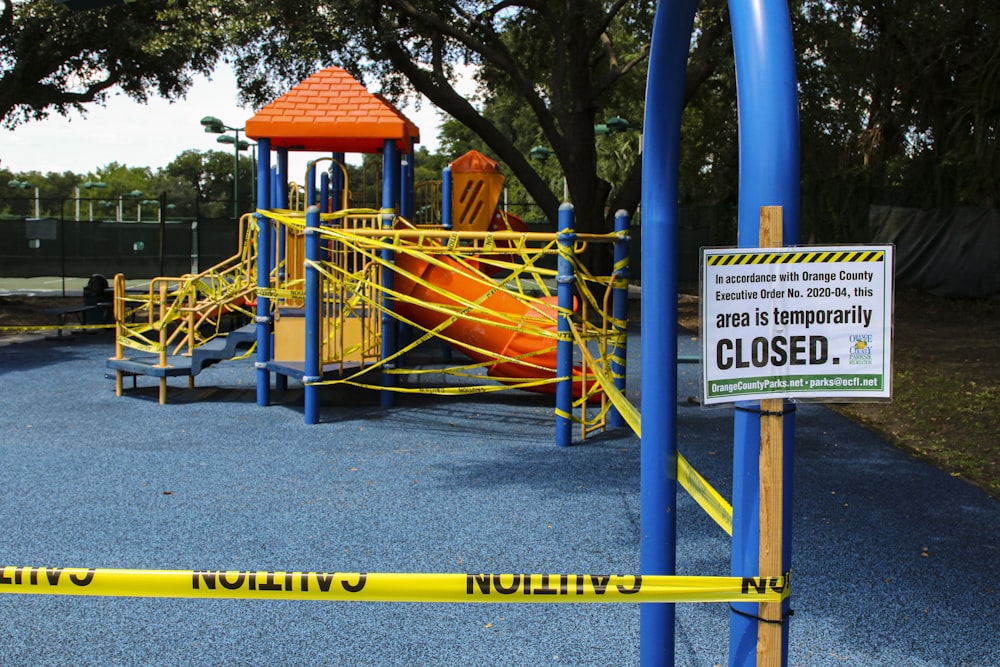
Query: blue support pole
{"points": [[263, 317], [447, 212], [672, 29], [282, 200], [337, 184], [312, 324], [324, 192], [390, 330], [406, 187], [565, 290], [311, 198], [446, 204], [769, 176], [278, 238], [619, 313]]}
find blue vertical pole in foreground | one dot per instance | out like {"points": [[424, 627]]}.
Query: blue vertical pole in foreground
{"points": [[314, 297], [769, 176], [263, 272], [619, 312], [565, 289], [661, 157]]}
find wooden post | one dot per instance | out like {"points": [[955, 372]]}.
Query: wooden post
{"points": [[769, 647]]}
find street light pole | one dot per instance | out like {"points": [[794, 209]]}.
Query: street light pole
{"points": [[121, 198], [213, 125], [89, 185], [25, 185]]}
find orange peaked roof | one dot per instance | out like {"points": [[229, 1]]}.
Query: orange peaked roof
{"points": [[331, 111]]}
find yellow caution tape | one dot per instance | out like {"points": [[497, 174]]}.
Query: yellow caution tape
{"points": [[153, 348], [697, 486], [54, 327], [705, 495], [273, 293], [461, 390], [390, 587]]}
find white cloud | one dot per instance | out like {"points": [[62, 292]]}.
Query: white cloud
{"points": [[147, 135]]}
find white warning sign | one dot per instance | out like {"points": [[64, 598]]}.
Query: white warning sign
{"points": [[800, 322]]}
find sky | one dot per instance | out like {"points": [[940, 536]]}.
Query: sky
{"points": [[148, 135]]}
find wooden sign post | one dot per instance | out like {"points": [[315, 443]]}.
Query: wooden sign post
{"points": [[769, 648]]}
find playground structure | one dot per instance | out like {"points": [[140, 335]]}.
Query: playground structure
{"points": [[339, 293], [769, 178]]}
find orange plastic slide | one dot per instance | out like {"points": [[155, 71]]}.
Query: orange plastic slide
{"points": [[454, 288]]}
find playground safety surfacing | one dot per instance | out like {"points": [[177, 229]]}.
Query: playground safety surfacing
{"points": [[895, 562]]}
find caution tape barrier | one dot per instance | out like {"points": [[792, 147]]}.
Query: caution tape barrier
{"points": [[390, 587], [54, 327]]}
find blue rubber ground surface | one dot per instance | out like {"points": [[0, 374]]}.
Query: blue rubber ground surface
{"points": [[895, 563]]}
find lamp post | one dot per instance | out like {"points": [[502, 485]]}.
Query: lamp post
{"points": [[242, 145], [88, 185], [135, 194], [213, 125], [616, 125], [147, 202], [25, 185]]}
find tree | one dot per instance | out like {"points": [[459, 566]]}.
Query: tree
{"points": [[899, 105], [208, 177], [54, 59], [556, 64]]}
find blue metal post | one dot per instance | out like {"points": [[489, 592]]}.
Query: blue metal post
{"points": [[278, 237], [446, 203], [390, 330], [282, 200], [313, 302], [406, 187], [619, 313], [324, 192], [337, 184], [263, 272], [769, 176], [672, 29], [446, 223], [310, 184], [565, 290]]}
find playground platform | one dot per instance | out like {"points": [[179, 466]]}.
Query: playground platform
{"points": [[895, 562]]}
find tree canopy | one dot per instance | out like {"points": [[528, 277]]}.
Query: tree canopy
{"points": [[547, 72], [55, 59], [899, 100]]}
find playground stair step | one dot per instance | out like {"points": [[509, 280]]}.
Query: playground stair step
{"points": [[218, 349]]}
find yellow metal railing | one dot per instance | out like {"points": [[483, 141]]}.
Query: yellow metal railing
{"points": [[351, 331], [176, 314]]}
